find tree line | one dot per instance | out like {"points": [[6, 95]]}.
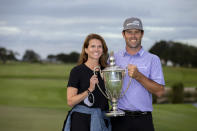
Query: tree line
{"points": [[179, 54], [65, 58], [6, 55], [33, 57]]}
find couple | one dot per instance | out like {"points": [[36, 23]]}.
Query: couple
{"points": [[88, 103]]}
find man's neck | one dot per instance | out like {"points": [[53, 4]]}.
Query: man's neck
{"points": [[133, 51]]}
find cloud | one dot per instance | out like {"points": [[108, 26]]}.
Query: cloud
{"points": [[6, 30], [61, 26]]}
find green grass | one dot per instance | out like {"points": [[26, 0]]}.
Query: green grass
{"points": [[33, 98], [188, 76], [30, 92], [167, 117], [34, 85], [61, 71], [31, 119], [26, 70], [175, 117]]}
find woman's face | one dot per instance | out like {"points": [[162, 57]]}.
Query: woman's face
{"points": [[95, 49]]}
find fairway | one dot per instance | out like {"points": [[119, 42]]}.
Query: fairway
{"points": [[166, 118], [188, 76], [31, 119], [175, 117], [33, 98]]}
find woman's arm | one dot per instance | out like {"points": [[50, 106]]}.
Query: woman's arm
{"points": [[73, 98]]}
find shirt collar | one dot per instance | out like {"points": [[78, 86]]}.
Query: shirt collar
{"points": [[140, 52]]}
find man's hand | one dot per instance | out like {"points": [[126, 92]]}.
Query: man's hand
{"points": [[133, 71]]}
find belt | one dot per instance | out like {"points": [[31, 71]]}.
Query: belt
{"points": [[137, 113]]}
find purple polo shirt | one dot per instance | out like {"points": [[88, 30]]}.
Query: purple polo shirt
{"points": [[138, 98]]}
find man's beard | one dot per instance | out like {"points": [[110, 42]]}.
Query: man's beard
{"points": [[138, 44]]}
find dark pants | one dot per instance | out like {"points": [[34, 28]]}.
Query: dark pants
{"points": [[132, 123], [80, 122]]}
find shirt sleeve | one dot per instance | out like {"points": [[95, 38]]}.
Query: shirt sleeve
{"points": [[73, 79], [156, 73]]}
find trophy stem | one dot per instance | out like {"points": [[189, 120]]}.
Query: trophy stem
{"points": [[115, 112], [114, 104]]}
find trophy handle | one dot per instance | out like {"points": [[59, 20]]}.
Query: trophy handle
{"points": [[107, 93], [124, 92]]}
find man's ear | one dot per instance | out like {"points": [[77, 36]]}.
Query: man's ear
{"points": [[142, 33]]}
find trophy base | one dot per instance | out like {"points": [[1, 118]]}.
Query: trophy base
{"points": [[115, 113]]}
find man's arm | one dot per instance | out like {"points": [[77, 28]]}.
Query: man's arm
{"points": [[150, 85]]}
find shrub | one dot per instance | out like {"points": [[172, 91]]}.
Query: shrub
{"points": [[177, 95]]}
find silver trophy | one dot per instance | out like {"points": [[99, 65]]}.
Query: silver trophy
{"points": [[113, 77]]}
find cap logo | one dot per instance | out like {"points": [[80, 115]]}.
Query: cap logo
{"points": [[132, 23], [137, 23]]}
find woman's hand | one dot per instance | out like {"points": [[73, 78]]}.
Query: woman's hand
{"points": [[93, 81]]}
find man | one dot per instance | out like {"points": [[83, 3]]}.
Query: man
{"points": [[145, 77]]}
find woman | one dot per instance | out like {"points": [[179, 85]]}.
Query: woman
{"points": [[83, 95]]}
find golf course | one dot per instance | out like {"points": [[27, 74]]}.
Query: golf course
{"points": [[33, 98]]}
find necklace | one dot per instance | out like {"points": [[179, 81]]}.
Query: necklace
{"points": [[91, 66]]}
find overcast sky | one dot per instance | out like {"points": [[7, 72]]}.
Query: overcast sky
{"points": [[60, 26]]}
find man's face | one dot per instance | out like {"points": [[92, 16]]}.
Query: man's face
{"points": [[133, 38]]}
